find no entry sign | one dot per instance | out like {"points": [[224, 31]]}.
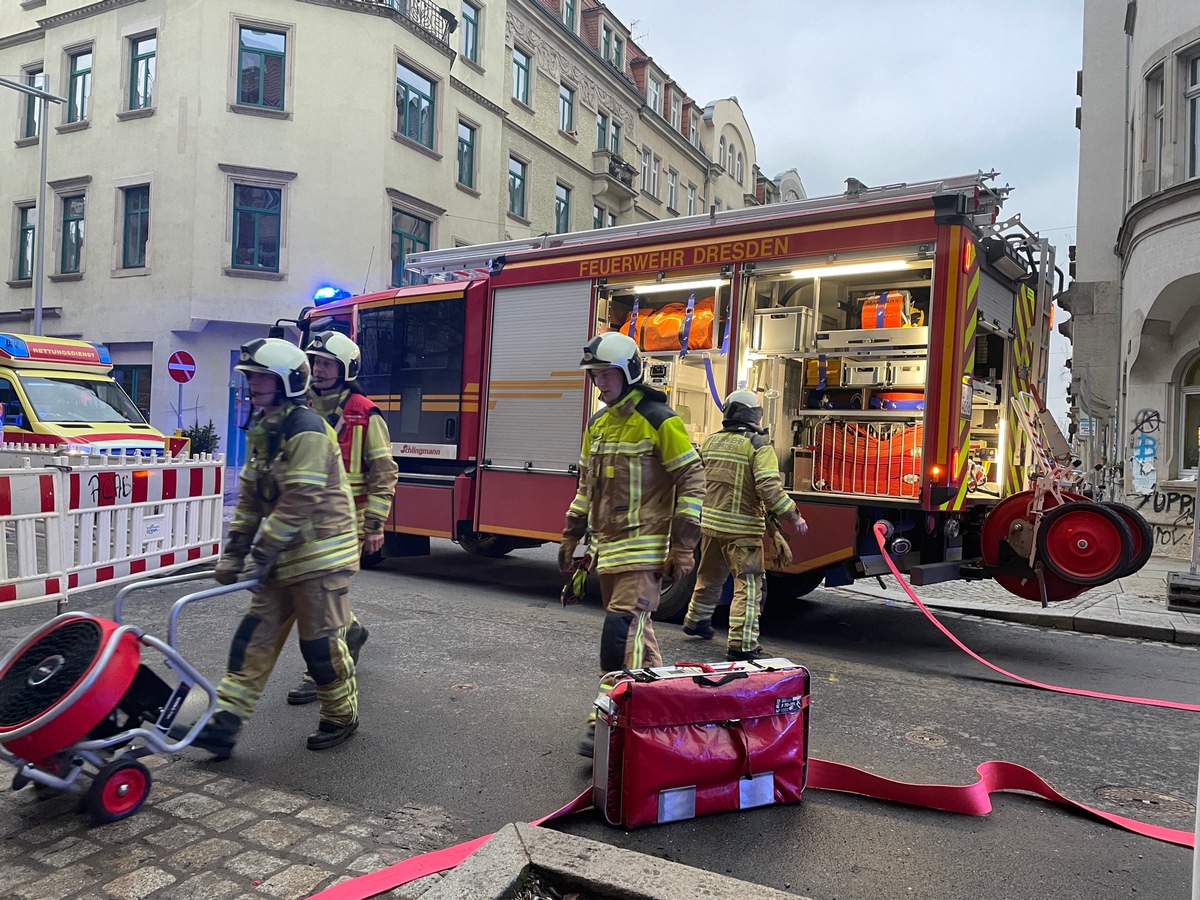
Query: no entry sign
{"points": [[181, 366]]}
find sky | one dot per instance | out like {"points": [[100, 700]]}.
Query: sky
{"points": [[893, 90]]}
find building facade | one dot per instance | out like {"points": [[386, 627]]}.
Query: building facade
{"points": [[1135, 302], [214, 164]]}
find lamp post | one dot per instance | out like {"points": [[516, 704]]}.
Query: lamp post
{"points": [[39, 238]]}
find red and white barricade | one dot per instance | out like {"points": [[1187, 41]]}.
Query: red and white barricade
{"points": [[72, 523]]}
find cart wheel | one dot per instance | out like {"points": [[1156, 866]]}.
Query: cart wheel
{"points": [[1143, 535], [996, 528], [1085, 543], [118, 791]]}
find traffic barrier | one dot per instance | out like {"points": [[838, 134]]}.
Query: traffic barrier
{"points": [[76, 522]]}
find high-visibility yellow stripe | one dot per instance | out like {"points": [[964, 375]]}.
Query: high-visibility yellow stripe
{"points": [[951, 378], [439, 407]]}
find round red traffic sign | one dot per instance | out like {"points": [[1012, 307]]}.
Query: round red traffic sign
{"points": [[181, 366]]}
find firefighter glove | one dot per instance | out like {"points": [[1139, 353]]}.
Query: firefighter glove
{"points": [[263, 558], [229, 566], [566, 555], [680, 563]]}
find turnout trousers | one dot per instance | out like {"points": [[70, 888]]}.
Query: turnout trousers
{"points": [[320, 608], [742, 557], [628, 641]]}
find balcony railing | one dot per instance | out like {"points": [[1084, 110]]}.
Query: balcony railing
{"points": [[427, 16]]}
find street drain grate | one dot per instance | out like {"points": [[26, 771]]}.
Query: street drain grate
{"points": [[926, 738], [1141, 799]]}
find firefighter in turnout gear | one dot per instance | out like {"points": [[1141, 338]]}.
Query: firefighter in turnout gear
{"points": [[641, 485], [366, 450], [295, 521], [743, 487]]}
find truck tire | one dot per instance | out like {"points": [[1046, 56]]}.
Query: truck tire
{"points": [[481, 543], [673, 601], [783, 587]]}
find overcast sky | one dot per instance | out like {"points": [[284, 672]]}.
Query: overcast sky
{"points": [[892, 90]]}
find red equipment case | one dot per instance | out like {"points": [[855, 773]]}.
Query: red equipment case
{"points": [[689, 740]]}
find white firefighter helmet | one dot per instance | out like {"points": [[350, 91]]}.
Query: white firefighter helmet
{"points": [[335, 345], [747, 398], [614, 350], [283, 359]]}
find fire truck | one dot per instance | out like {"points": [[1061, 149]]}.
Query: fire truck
{"points": [[890, 331]]}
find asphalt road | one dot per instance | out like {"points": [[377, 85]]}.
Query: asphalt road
{"points": [[475, 682]]}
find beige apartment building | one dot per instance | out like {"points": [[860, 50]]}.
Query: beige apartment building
{"points": [[1135, 301], [214, 164]]}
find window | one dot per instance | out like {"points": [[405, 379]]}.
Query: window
{"points": [[137, 226], [470, 31], [1192, 97], [611, 219], [410, 234], [256, 227], [645, 169], [601, 131], [566, 109], [414, 105], [614, 143], [655, 163], [466, 155], [691, 200], [568, 14], [72, 235], [1189, 436], [693, 128], [721, 153], [136, 382], [672, 189], [520, 75], [79, 88], [517, 171], [142, 56], [676, 111], [562, 209], [618, 53], [597, 216], [741, 164], [32, 126], [261, 67], [26, 233], [606, 37], [654, 94]]}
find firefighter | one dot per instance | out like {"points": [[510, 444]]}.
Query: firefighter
{"points": [[641, 485], [295, 521], [743, 486], [366, 448]]}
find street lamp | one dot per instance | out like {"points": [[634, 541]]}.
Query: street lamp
{"points": [[39, 239]]}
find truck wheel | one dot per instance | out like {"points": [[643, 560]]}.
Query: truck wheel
{"points": [[673, 601], [783, 587], [480, 543]]}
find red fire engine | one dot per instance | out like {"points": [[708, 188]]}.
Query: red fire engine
{"points": [[889, 330]]}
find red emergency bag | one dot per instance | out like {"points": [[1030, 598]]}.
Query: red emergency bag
{"points": [[690, 740], [892, 309]]}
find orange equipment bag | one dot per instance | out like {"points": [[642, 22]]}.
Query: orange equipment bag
{"points": [[662, 328], [892, 309]]}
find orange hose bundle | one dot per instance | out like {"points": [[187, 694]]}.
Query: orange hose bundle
{"points": [[880, 461]]}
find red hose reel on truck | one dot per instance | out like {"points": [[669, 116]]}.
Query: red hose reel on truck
{"points": [[76, 695]]}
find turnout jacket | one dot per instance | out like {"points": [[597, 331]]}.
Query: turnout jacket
{"points": [[293, 493], [743, 484], [366, 447], [641, 484]]}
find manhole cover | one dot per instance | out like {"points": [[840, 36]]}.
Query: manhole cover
{"points": [[1140, 799], [928, 738]]}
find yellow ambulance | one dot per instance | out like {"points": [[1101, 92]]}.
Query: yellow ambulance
{"points": [[57, 391]]}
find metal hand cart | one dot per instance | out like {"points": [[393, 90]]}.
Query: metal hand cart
{"points": [[77, 696]]}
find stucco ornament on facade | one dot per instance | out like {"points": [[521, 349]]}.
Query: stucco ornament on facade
{"points": [[549, 60]]}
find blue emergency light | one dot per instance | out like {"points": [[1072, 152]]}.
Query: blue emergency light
{"points": [[13, 346], [328, 294], [105, 356]]}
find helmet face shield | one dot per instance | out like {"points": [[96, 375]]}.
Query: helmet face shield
{"points": [[275, 356], [336, 346]]}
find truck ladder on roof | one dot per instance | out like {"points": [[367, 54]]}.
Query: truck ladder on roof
{"points": [[479, 260]]}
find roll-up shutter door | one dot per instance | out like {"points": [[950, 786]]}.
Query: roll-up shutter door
{"points": [[996, 301], [535, 396]]}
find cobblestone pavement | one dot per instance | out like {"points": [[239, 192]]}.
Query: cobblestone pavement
{"points": [[203, 836]]}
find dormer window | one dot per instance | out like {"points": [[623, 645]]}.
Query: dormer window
{"points": [[654, 89]]}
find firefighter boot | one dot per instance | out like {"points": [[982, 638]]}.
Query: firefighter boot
{"points": [[746, 655], [702, 629], [217, 736], [330, 734]]}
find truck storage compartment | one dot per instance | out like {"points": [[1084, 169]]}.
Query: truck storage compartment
{"points": [[871, 458], [783, 330]]}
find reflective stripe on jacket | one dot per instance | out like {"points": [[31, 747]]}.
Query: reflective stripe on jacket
{"points": [[742, 481], [366, 447], [637, 473], [293, 493]]}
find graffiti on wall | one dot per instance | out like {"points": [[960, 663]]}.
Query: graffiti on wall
{"points": [[1143, 450], [1170, 514]]}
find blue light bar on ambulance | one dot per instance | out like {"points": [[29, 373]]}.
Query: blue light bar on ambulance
{"points": [[328, 294], [13, 347], [105, 356]]}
